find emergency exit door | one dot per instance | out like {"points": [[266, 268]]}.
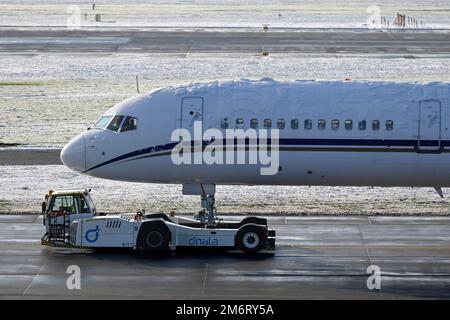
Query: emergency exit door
{"points": [[429, 125]]}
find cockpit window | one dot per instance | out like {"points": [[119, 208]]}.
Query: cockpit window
{"points": [[115, 123], [102, 122], [130, 123]]}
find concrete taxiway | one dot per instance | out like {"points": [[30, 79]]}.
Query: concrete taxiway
{"points": [[316, 257], [334, 41], [15, 157]]}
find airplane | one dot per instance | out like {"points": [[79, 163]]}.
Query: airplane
{"points": [[318, 133]]}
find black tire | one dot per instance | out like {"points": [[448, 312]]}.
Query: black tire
{"points": [[250, 238], [154, 237]]}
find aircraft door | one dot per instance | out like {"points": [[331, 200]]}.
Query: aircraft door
{"points": [[429, 125], [191, 111]]}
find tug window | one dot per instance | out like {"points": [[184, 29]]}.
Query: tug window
{"points": [[334, 124], [224, 123], [281, 124], [308, 124], [114, 125], [294, 124], [254, 123], [375, 125], [389, 125], [84, 208], [321, 124], [129, 124], [239, 123], [348, 124], [267, 123], [362, 125], [102, 123], [63, 204]]}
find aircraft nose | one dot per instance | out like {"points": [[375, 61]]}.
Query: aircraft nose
{"points": [[73, 155]]}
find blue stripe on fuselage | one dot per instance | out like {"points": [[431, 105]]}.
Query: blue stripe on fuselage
{"points": [[292, 142]]}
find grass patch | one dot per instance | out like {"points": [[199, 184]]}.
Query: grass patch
{"points": [[4, 145], [4, 204], [26, 84]]}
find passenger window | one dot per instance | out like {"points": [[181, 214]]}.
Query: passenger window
{"points": [[63, 204], [308, 124], [334, 124], [115, 123], [281, 124], [239, 123], [254, 123], [294, 124], [389, 125], [348, 124], [321, 124], [224, 123], [362, 125], [129, 124], [375, 125], [267, 123]]}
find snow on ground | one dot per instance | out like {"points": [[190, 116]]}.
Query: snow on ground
{"points": [[219, 13], [163, 69], [23, 187]]}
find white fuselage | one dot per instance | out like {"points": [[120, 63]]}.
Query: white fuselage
{"points": [[330, 133]]}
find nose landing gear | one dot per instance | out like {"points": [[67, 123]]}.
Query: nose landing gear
{"points": [[208, 214], [251, 234]]}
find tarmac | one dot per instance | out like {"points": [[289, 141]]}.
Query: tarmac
{"points": [[29, 157], [315, 258], [409, 43]]}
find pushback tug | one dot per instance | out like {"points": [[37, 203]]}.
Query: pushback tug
{"points": [[72, 221]]}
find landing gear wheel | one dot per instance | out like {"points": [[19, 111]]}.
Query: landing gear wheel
{"points": [[155, 237], [250, 238]]}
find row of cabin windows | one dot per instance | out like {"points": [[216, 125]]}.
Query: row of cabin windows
{"points": [[308, 124]]}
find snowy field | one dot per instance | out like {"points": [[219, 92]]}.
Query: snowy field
{"points": [[219, 13], [23, 188]]}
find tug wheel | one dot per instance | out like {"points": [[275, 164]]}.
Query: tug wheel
{"points": [[250, 238], [154, 237], [253, 220]]}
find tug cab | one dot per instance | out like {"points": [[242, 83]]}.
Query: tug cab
{"points": [[60, 208]]}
